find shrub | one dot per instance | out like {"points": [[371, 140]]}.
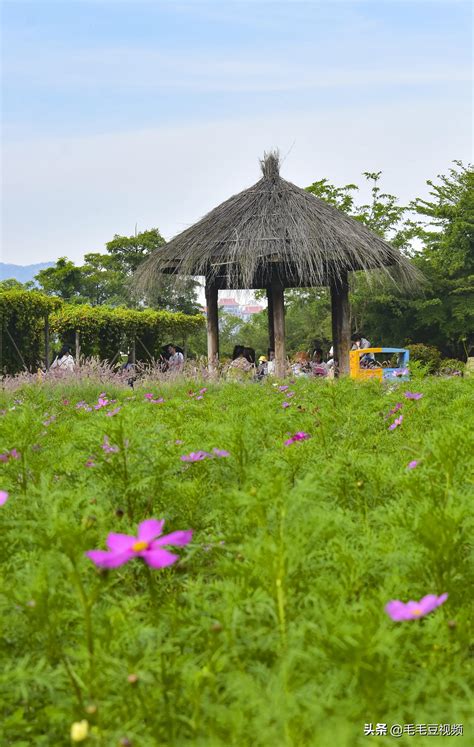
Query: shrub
{"points": [[427, 355]]}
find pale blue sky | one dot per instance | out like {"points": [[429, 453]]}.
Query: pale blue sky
{"points": [[117, 113]]}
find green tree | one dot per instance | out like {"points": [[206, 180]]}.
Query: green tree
{"points": [[64, 279], [107, 278], [14, 284]]}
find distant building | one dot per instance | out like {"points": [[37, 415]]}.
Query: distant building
{"points": [[242, 311], [246, 312]]}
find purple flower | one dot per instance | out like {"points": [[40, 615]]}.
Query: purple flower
{"points": [[220, 453], [396, 423], [395, 409], [413, 395], [298, 436], [149, 545], [108, 448], [3, 497], [111, 413], [413, 464], [203, 390], [283, 388], [12, 454], [285, 405], [158, 401], [399, 611], [102, 402], [401, 372], [83, 406], [290, 394], [178, 442], [49, 420], [90, 462], [200, 396], [196, 456]]}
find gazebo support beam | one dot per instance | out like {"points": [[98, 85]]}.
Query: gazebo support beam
{"points": [[271, 322], [212, 326], [278, 304], [341, 323]]}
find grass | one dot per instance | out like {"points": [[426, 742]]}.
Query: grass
{"points": [[270, 631]]}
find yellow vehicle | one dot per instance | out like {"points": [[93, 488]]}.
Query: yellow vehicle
{"points": [[363, 368]]}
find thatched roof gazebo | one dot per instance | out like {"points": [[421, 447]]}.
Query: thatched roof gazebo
{"points": [[273, 236]]}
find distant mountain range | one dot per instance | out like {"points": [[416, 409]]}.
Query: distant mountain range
{"points": [[22, 273]]}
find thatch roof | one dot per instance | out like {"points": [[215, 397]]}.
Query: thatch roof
{"points": [[274, 227]]}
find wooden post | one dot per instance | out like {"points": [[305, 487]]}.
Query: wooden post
{"points": [[212, 326], [341, 325], [271, 323], [278, 304], [46, 342], [78, 348]]}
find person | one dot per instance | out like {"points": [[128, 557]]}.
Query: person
{"points": [[176, 358], [271, 362], [262, 367], [360, 343], [129, 367], [301, 364], [64, 360], [240, 364], [330, 362], [318, 366], [249, 353]]}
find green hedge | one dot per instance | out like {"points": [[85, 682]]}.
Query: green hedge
{"points": [[22, 320], [103, 330]]}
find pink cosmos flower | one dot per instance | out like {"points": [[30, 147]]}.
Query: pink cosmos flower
{"points": [[413, 395], [108, 448], [220, 453], [65, 401], [401, 372], [285, 405], [149, 395], [178, 442], [111, 413], [396, 423], [200, 396], [413, 464], [203, 390], [395, 409], [3, 497], [90, 462], [149, 545], [299, 436], [158, 401], [399, 611], [196, 456], [102, 402], [12, 454]]}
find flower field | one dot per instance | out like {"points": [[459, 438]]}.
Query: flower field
{"points": [[240, 564]]}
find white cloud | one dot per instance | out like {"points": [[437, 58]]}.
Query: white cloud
{"points": [[69, 196]]}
